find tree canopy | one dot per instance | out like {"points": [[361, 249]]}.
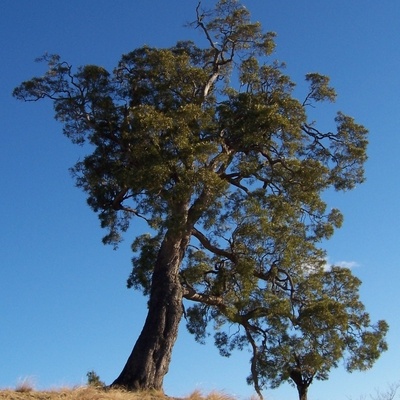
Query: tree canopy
{"points": [[210, 147]]}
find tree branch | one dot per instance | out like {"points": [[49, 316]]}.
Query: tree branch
{"points": [[253, 368], [190, 293], [212, 248]]}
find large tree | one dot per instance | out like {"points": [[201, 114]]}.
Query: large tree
{"points": [[209, 147]]}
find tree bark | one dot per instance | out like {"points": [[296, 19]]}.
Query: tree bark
{"points": [[149, 361], [301, 383], [302, 390]]}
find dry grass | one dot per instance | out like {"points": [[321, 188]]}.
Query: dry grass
{"points": [[89, 393], [197, 395], [80, 393], [25, 385]]}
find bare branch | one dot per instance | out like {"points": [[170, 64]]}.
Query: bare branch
{"points": [[254, 359]]}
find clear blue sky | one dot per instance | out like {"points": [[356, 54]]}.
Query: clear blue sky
{"points": [[64, 307]]}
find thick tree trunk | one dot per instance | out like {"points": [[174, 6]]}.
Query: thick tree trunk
{"points": [[149, 361]]}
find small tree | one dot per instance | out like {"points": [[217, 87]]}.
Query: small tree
{"points": [[210, 148], [324, 324], [298, 325], [94, 380]]}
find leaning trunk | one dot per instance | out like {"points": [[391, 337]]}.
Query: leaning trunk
{"points": [[149, 361]]}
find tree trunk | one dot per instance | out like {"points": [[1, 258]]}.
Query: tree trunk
{"points": [[302, 383], [149, 361], [302, 390]]}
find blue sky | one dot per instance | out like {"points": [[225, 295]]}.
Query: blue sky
{"points": [[64, 307]]}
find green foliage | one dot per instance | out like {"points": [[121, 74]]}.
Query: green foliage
{"points": [[148, 248], [209, 145], [304, 333], [94, 380]]}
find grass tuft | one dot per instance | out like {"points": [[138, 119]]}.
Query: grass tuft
{"points": [[198, 395], [25, 385]]}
